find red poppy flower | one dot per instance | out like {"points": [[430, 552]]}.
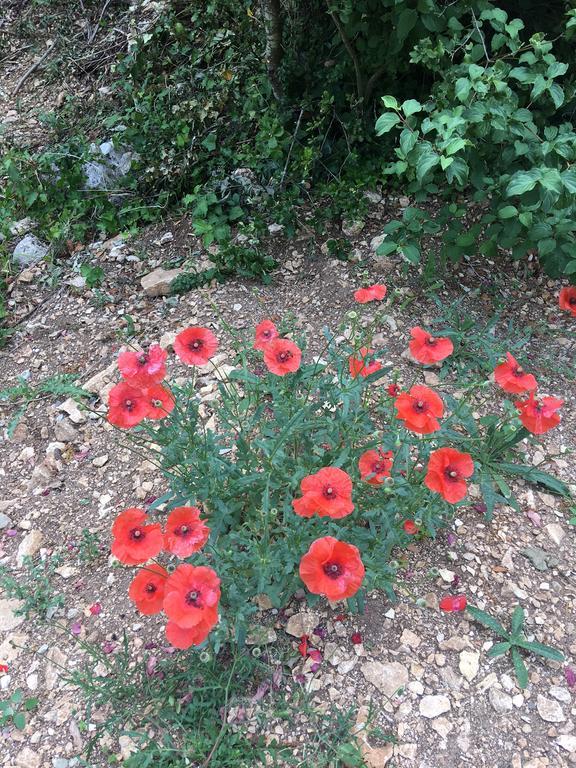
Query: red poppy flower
{"points": [[183, 638], [185, 531], [160, 401], [567, 299], [127, 405], [192, 595], [393, 390], [143, 368], [512, 377], [356, 638], [282, 356], [453, 603], [332, 568], [147, 589], [429, 349], [410, 527], [420, 409], [328, 493], [360, 367], [135, 541], [265, 332], [375, 466], [539, 416], [447, 473], [371, 293], [195, 346]]}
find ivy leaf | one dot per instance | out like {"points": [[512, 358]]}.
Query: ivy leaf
{"points": [[386, 122]]}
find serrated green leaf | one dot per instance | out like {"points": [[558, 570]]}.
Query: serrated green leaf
{"points": [[541, 649], [517, 620], [498, 649], [519, 669], [487, 620]]}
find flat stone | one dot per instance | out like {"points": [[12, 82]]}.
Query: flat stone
{"points": [[158, 282], [442, 726], [377, 241], [65, 431], [302, 624], [549, 710], [27, 758], [454, 643], [555, 532], [567, 742], [434, 706], [500, 701], [410, 639], [560, 694], [56, 665], [8, 618], [388, 678], [29, 545], [100, 461], [5, 521], [352, 228], [29, 251], [70, 407], [261, 636], [469, 664]]}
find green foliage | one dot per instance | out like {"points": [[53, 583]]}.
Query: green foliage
{"points": [[89, 547], [13, 710], [493, 128], [93, 275], [231, 259], [34, 587], [514, 641]]}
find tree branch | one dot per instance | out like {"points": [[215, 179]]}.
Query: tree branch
{"points": [[352, 53], [272, 15]]}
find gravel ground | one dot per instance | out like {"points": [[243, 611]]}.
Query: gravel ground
{"points": [[64, 470]]}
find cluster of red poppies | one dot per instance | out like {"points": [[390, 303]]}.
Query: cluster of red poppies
{"points": [[190, 594]]}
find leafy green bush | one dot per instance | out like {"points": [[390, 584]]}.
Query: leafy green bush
{"points": [[493, 129]]}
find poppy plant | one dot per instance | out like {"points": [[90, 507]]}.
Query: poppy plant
{"points": [[147, 589], [134, 539], [452, 603], [195, 345], [327, 493], [265, 332], [160, 401], [183, 638], [567, 299], [447, 473], [143, 368], [332, 568], [375, 466], [282, 356], [185, 532], [419, 409], [428, 349], [539, 416], [360, 367], [191, 596], [371, 293], [513, 378], [127, 405], [410, 527]]}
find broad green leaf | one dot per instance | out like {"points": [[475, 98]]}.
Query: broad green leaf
{"points": [[412, 253], [550, 179], [519, 669], [406, 22], [387, 247], [455, 146], [507, 212], [462, 88], [19, 720], [522, 181], [570, 268], [487, 620], [569, 180], [425, 164], [498, 649], [411, 106], [390, 102], [446, 162], [386, 122], [557, 95], [408, 140], [541, 650], [517, 620]]}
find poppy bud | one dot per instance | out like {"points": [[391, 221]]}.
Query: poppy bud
{"points": [[205, 657]]}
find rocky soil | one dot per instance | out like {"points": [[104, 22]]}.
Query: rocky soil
{"points": [[425, 673]]}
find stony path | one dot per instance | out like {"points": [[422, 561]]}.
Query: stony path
{"points": [[64, 470]]}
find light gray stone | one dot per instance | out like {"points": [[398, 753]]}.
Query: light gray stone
{"points": [[388, 678], [28, 251], [158, 282], [434, 706], [500, 701], [549, 710], [469, 664], [29, 545]]}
